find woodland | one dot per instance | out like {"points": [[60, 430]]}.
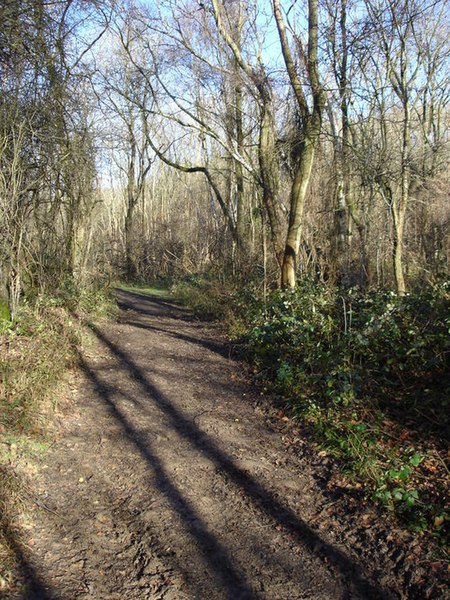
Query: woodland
{"points": [[282, 166], [246, 140]]}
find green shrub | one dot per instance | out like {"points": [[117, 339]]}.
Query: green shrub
{"points": [[338, 345], [208, 299], [37, 350], [5, 315], [93, 300], [343, 361]]}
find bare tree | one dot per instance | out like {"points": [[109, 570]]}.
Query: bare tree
{"points": [[47, 159], [397, 32], [310, 128]]}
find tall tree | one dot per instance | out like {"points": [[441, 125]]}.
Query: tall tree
{"points": [[397, 33], [310, 128]]}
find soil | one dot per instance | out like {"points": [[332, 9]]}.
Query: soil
{"points": [[172, 477]]}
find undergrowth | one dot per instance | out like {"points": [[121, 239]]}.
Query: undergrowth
{"points": [[367, 374], [208, 298], [155, 290]]}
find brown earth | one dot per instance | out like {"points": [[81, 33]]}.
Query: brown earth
{"points": [[172, 479]]}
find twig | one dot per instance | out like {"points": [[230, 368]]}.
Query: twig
{"points": [[345, 315], [197, 416], [324, 509], [47, 508], [442, 461], [41, 504], [386, 434], [425, 416]]}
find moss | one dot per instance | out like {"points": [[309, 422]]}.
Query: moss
{"points": [[5, 315]]}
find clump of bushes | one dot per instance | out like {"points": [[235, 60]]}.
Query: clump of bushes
{"points": [[369, 374], [88, 299], [208, 298], [36, 349], [337, 347], [35, 352]]}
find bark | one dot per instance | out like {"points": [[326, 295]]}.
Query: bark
{"points": [[268, 165], [241, 208], [341, 224], [363, 259], [400, 211], [132, 199], [267, 155], [399, 227], [298, 195], [130, 266], [312, 122]]}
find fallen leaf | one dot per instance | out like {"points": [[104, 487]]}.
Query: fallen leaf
{"points": [[438, 521]]}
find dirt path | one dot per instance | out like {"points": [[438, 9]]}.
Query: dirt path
{"points": [[167, 482]]}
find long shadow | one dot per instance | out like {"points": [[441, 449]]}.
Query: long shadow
{"points": [[152, 306], [161, 309], [261, 498], [403, 413], [36, 587], [216, 556], [218, 347], [139, 526], [143, 533]]}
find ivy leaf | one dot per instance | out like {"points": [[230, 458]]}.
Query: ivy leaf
{"points": [[405, 472], [398, 493], [410, 497], [416, 460]]}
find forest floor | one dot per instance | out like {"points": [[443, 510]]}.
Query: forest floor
{"points": [[172, 477]]}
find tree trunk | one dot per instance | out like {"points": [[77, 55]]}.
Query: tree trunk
{"points": [[312, 122], [241, 206], [269, 174], [130, 258], [398, 217], [399, 209], [362, 233], [298, 195]]}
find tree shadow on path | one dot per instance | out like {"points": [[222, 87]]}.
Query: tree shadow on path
{"points": [[36, 587], [220, 348], [157, 307], [230, 578]]}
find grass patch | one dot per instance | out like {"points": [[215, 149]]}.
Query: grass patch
{"points": [[35, 353], [5, 316], [209, 299]]}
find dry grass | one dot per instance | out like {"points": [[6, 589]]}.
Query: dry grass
{"points": [[34, 356]]}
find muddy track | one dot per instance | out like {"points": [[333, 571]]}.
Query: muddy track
{"points": [[168, 482]]}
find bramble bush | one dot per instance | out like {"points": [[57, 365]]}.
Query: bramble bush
{"points": [[348, 363], [336, 347]]}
